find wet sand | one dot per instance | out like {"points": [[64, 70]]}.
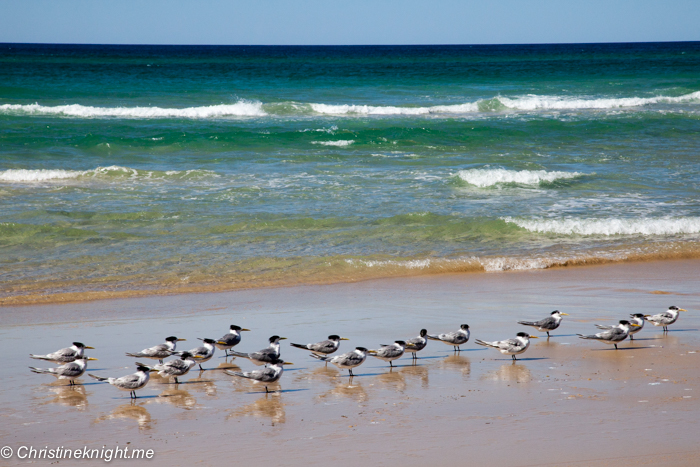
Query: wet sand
{"points": [[564, 402]]}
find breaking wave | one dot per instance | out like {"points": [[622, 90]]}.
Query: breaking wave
{"points": [[47, 175], [663, 226], [489, 177]]}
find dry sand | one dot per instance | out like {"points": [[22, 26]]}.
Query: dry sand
{"points": [[564, 402]]}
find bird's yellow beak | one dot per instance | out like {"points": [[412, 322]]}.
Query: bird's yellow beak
{"points": [[90, 358], [344, 339], [221, 342], [287, 363], [282, 338], [681, 309], [635, 325], [564, 314], [534, 337], [88, 347], [180, 340], [245, 329]]}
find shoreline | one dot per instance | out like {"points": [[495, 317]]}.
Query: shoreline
{"points": [[40, 298]]}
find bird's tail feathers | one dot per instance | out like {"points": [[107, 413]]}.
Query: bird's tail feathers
{"points": [[235, 373], [40, 357], [592, 336], [484, 343], [433, 337], [299, 346], [39, 370], [527, 323], [98, 378], [135, 355], [237, 354]]}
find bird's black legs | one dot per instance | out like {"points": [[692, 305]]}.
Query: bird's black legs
{"points": [[615, 346], [176, 381], [513, 356], [350, 370], [631, 337], [547, 334], [391, 364], [160, 360], [266, 390], [200, 367]]}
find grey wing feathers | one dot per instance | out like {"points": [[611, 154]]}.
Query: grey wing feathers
{"points": [[323, 347], [128, 381], [239, 354]]}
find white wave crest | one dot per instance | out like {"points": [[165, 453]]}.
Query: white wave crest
{"points": [[341, 143], [328, 109], [534, 102], [48, 175], [649, 227], [239, 109], [490, 177], [41, 175]]}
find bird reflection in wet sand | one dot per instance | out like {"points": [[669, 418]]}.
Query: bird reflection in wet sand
{"points": [[202, 383], [350, 389], [323, 374], [392, 379], [269, 406], [177, 397], [69, 396], [417, 371], [131, 411], [510, 372], [456, 362]]}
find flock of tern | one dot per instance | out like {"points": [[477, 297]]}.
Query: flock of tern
{"points": [[74, 361]]}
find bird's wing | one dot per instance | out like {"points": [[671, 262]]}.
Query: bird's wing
{"points": [[70, 369], [326, 346], [128, 381]]}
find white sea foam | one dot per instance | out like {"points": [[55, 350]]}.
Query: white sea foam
{"points": [[393, 110], [534, 102], [490, 177], [663, 226], [341, 143], [239, 109], [48, 175]]}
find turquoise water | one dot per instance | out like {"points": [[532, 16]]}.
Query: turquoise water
{"points": [[131, 168]]}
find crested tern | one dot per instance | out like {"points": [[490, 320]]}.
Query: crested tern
{"points": [[271, 374], [326, 347], [348, 360], [455, 339], [636, 318], [511, 347], [390, 352], [265, 356], [178, 367], [204, 352], [129, 383], [547, 324], [665, 318], [158, 352], [66, 355], [70, 371], [613, 335], [231, 339], [417, 344]]}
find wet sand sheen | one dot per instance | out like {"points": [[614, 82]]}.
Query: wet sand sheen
{"points": [[564, 402]]}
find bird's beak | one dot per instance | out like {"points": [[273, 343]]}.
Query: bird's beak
{"points": [[180, 340], [90, 358], [197, 356], [534, 337], [635, 325], [287, 363], [200, 338], [681, 309], [245, 329], [88, 347], [344, 339], [282, 338], [221, 342], [565, 314]]}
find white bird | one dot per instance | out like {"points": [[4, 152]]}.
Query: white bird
{"points": [[455, 339], [547, 324], [66, 355], [265, 356], [178, 367], [348, 360], [613, 335], [231, 339], [268, 375], [130, 383], [70, 371], [665, 318], [636, 318], [204, 352], [417, 344], [326, 347], [510, 347], [390, 352], [160, 351]]}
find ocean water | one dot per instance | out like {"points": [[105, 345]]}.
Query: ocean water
{"points": [[126, 169]]}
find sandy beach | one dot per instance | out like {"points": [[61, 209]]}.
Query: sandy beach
{"points": [[564, 402]]}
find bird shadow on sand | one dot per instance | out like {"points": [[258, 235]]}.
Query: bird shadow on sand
{"points": [[137, 398], [623, 348], [459, 351], [279, 391], [681, 330], [526, 359], [361, 374], [647, 339], [428, 358], [557, 335], [173, 383]]}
